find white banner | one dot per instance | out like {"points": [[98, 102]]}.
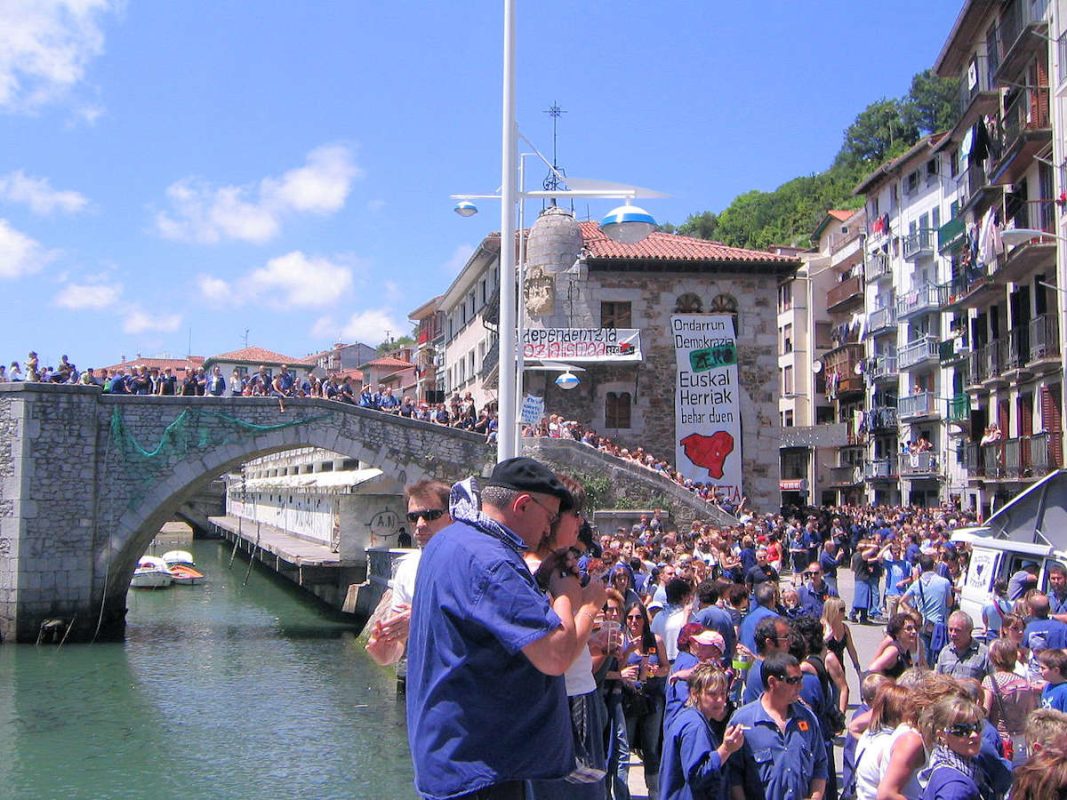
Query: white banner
{"points": [[581, 344], [707, 414], [533, 409]]}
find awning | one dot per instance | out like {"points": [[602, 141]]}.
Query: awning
{"points": [[1037, 515], [339, 482]]}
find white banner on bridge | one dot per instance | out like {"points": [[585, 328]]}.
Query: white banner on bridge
{"points": [[581, 345], [707, 414]]}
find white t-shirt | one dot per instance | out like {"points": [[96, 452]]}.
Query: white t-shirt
{"points": [[579, 675], [403, 582], [667, 624], [872, 758]]}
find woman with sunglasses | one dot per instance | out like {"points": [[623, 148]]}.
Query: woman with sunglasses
{"points": [[644, 699], [952, 727], [589, 716], [1013, 628]]}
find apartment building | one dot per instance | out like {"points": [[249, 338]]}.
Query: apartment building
{"points": [[1002, 302]]}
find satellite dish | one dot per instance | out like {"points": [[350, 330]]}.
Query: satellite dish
{"points": [[858, 369], [816, 367]]}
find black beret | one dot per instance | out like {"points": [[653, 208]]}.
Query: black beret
{"points": [[526, 475]]}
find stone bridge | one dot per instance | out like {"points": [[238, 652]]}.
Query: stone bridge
{"points": [[87, 479]]}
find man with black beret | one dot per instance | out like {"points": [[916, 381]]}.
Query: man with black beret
{"points": [[486, 703]]}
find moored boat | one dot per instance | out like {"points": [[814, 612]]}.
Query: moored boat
{"points": [[185, 575], [176, 557], [151, 573]]}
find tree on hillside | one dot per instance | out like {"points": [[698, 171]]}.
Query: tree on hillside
{"points": [[882, 131], [700, 226], [933, 102]]}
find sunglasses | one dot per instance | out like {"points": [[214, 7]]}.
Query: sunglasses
{"points": [[429, 514], [633, 616], [964, 728], [553, 516], [792, 680]]}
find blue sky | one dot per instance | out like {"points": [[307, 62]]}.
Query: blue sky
{"points": [[172, 174]]}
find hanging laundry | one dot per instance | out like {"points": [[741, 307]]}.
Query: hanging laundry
{"points": [[980, 146]]}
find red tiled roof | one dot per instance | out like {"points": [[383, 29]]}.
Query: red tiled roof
{"points": [[670, 247], [175, 364], [354, 374], [840, 214], [389, 361], [259, 355]]}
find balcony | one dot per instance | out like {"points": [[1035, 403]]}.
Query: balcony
{"points": [[921, 300], [953, 351], [1045, 343], [951, 235], [841, 364], [917, 406], [919, 465], [881, 469], [845, 294], [882, 319], [1016, 39], [979, 97], [994, 359], [878, 266], [972, 184], [882, 419], [883, 368], [1019, 459], [1018, 353], [970, 287], [918, 352], [918, 245], [959, 409], [1034, 255], [1044, 451], [1026, 129], [846, 475]]}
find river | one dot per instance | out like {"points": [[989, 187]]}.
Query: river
{"points": [[219, 691]]}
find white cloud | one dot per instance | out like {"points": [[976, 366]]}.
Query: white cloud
{"points": [[458, 260], [19, 254], [96, 296], [45, 46], [38, 194], [139, 321], [291, 281], [203, 213], [325, 328], [370, 326]]}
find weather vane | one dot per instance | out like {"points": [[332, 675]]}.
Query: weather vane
{"points": [[552, 182]]}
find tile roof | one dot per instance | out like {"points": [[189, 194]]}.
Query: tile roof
{"points": [[388, 361], [260, 355], [160, 363], [840, 213], [671, 247]]}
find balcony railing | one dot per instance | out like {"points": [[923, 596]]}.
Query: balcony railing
{"points": [[1044, 453], [952, 351], [882, 319], [881, 469], [918, 352], [1018, 348], [923, 404], [959, 408], [922, 465], [877, 266], [921, 300], [1017, 16], [1026, 113], [918, 245], [970, 182], [882, 418], [847, 290], [846, 474], [994, 358], [1013, 459], [1044, 337], [983, 82], [883, 367]]}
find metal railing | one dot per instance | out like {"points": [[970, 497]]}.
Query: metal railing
{"points": [[984, 82], [994, 358], [1044, 337], [880, 469], [918, 245], [882, 418], [970, 182], [1027, 112], [1021, 457], [1017, 15], [959, 408], [919, 464], [882, 318], [877, 266], [1039, 214], [921, 300], [922, 404], [846, 474], [882, 367], [1018, 348], [918, 351]]}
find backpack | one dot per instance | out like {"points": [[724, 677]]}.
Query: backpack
{"points": [[831, 712]]}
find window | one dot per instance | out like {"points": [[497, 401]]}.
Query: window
{"points": [[954, 163], [785, 297], [911, 183], [932, 170], [615, 314], [689, 303], [787, 381], [617, 410], [787, 419], [785, 339]]}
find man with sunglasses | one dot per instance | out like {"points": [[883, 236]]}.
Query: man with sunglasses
{"points": [[486, 704], [813, 594], [428, 512], [784, 755]]}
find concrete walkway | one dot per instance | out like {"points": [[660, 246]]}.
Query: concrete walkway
{"points": [[866, 638]]}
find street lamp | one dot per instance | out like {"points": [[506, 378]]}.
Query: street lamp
{"points": [[634, 227]]}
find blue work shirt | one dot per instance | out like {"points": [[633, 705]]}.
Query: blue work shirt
{"points": [[897, 571], [829, 564], [775, 764], [690, 768], [677, 692], [1056, 604], [753, 683], [812, 599], [478, 712], [746, 632], [720, 621], [931, 593], [947, 783]]}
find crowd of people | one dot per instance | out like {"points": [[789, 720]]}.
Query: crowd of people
{"points": [[718, 654], [554, 426]]}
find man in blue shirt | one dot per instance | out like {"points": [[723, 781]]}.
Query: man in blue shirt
{"points": [[715, 618], [784, 755], [1057, 590], [486, 708], [929, 595], [813, 594], [1042, 631], [766, 595]]}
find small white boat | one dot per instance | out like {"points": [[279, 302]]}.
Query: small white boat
{"points": [[151, 573], [176, 557]]}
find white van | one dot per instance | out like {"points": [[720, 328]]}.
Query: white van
{"points": [[1032, 528]]}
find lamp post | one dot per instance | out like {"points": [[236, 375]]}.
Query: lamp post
{"points": [[626, 223]]}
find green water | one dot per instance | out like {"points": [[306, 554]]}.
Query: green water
{"points": [[219, 691]]}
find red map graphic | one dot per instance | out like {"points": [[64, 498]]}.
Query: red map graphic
{"points": [[709, 452]]}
